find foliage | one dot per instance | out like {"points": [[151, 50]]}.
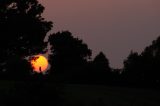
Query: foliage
{"points": [[22, 30], [69, 55], [101, 70], [144, 68], [101, 62], [67, 51]]}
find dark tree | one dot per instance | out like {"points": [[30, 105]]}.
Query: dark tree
{"points": [[151, 60], [17, 69], [101, 62], [22, 30], [69, 54], [144, 68], [132, 68], [101, 70]]}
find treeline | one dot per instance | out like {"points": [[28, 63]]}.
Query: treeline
{"points": [[71, 62], [23, 29], [144, 68]]}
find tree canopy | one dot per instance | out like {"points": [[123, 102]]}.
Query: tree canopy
{"points": [[67, 50], [144, 68], [22, 29], [101, 62], [69, 56]]}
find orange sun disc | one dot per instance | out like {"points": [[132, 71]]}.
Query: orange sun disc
{"points": [[39, 63]]}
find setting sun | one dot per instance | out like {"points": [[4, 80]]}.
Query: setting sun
{"points": [[39, 63]]}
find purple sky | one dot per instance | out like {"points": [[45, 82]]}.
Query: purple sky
{"points": [[113, 26]]}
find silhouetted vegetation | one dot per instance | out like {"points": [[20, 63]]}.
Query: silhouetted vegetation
{"points": [[69, 56], [23, 29], [143, 69], [99, 70]]}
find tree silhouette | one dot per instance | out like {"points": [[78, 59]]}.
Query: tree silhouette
{"points": [[151, 60], [102, 62], [69, 54], [22, 29], [101, 69], [18, 69], [144, 68], [132, 68]]}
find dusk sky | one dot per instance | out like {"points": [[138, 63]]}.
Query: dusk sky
{"points": [[113, 26]]}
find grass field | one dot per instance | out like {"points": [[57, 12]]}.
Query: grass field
{"points": [[93, 95], [83, 95]]}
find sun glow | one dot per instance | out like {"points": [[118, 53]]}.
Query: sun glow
{"points": [[39, 63]]}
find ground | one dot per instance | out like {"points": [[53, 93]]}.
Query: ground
{"points": [[77, 95]]}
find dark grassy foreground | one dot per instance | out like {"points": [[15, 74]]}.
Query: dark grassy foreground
{"points": [[49, 94], [92, 95]]}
